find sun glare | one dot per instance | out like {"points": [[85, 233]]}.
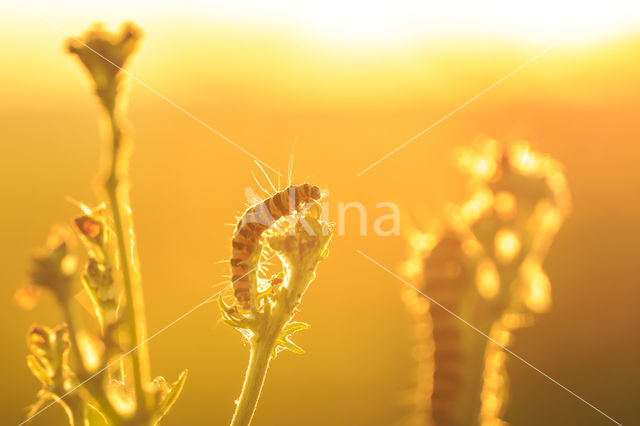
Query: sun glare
{"points": [[360, 21]]}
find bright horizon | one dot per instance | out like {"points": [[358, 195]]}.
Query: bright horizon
{"points": [[367, 22]]}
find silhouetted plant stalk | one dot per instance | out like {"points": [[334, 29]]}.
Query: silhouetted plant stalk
{"points": [[114, 362], [268, 323], [484, 263]]}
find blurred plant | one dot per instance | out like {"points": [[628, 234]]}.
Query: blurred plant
{"points": [[108, 375], [484, 263], [266, 322]]}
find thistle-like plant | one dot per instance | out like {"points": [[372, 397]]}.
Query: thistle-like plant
{"points": [[268, 323], [104, 373], [483, 262]]}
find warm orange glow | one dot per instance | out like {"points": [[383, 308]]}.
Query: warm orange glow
{"points": [[507, 245], [557, 181], [361, 21], [538, 287], [26, 297], [524, 159], [475, 163], [479, 203], [546, 217], [120, 398], [505, 205], [92, 350], [493, 387], [411, 267], [68, 385], [349, 81], [487, 279], [471, 247], [69, 264], [422, 241]]}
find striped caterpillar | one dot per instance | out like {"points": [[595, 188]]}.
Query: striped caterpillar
{"points": [[447, 279], [253, 223], [484, 270]]}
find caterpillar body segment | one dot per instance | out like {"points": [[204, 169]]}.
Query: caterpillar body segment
{"points": [[445, 280], [246, 248]]}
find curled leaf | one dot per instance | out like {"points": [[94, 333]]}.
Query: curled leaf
{"points": [[231, 316], [39, 369], [169, 394], [294, 326], [285, 343], [49, 357]]}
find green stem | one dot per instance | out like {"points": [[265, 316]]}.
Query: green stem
{"points": [[302, 258], [77, 412], [263, 345], [254, 380], [93, 387], [118, 171]]}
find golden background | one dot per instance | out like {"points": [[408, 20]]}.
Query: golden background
{"points": [[346, 104]]}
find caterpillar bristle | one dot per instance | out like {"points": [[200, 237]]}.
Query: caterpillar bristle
{"points": [[221, 283], [255, 179], [263, 216], [290, 165], [275, 190]]}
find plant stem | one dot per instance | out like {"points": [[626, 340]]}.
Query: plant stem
{"points": [[118, 172], [77, 412], [264, 341], [93, 387], [254, 380], [300, 259]]}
